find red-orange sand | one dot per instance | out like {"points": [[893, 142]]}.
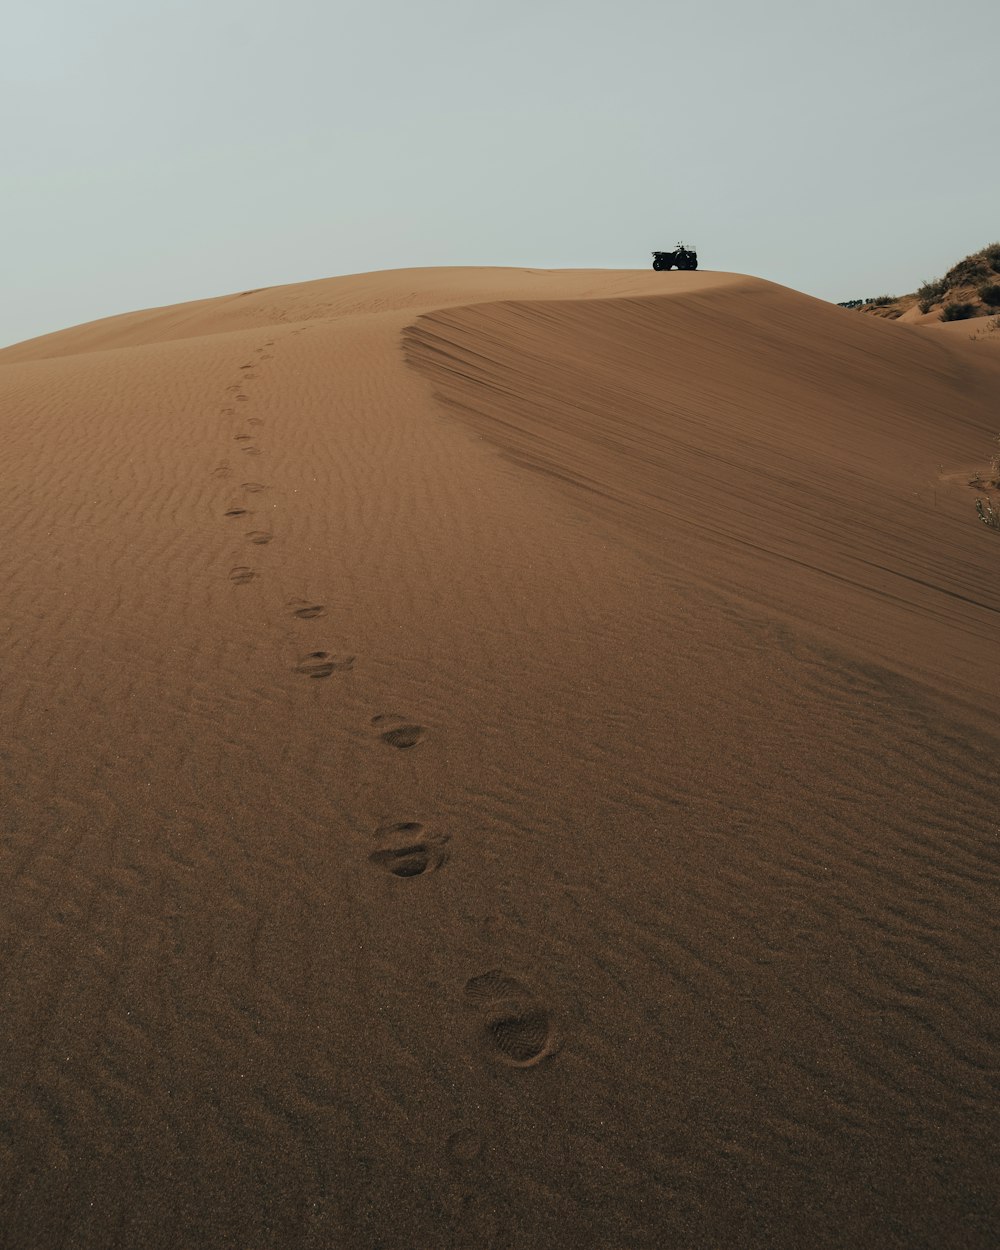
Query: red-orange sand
{"points": [[497, 758]]}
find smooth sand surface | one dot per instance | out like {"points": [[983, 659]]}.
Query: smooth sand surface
{"points": [[499, 758]]}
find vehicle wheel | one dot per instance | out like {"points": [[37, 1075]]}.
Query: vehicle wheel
{"points": [[657, 265]]}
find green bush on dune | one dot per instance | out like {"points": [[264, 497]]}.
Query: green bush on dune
{"points": [[957, 312]]}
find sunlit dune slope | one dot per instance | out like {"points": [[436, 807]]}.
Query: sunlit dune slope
{"points": [[498, 758]]}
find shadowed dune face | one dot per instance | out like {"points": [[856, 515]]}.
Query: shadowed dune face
{"points": [[403, 843], [772, 444]]}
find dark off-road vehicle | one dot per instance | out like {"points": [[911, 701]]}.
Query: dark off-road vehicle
{"points": [[683, 257]]}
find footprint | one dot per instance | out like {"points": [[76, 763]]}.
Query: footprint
{"points": [[222, 470], [517, 1029], [242, 438], [250, 451], [520, 1038], [248, 365], [241, 574], [409, 852], [495, 987], [322, 664], [228, 412], [252, 487], [234, 389], [242, 399], [305, 610], [397, 731], [260, 537], [236, 510], [255, 420], [405, 861]]}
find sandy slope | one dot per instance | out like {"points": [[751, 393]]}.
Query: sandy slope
{"points": [[498, 758]]}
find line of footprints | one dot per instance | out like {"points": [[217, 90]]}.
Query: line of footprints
{"points": [[514, 1027], [314, 664]]}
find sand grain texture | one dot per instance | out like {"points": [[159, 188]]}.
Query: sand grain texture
{"points": [[498, 758]]}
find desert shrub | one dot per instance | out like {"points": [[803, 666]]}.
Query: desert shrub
{"points": [[990, 294], [930, 292], [967, 271], [851, 303], [991, 255], [881, 300], [957, 312]]}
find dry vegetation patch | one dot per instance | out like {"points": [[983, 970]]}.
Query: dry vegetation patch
{"points": [[969, 289]]}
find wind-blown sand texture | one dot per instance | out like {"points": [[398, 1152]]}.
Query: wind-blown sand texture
{"points": [[499, 758]]}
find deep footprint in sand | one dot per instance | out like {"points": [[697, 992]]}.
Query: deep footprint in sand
{"points": [[236, 510], [517, 1028], [398, 732], [241, 574], [260, 537], [408, 850], [520, 1038], [322, 663], [304, 610], [252, 487]]}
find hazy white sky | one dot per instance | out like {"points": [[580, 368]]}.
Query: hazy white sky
{"points": [[161, 150]]}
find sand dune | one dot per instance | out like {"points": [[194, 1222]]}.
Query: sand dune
{"points": [[498, 758]]}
